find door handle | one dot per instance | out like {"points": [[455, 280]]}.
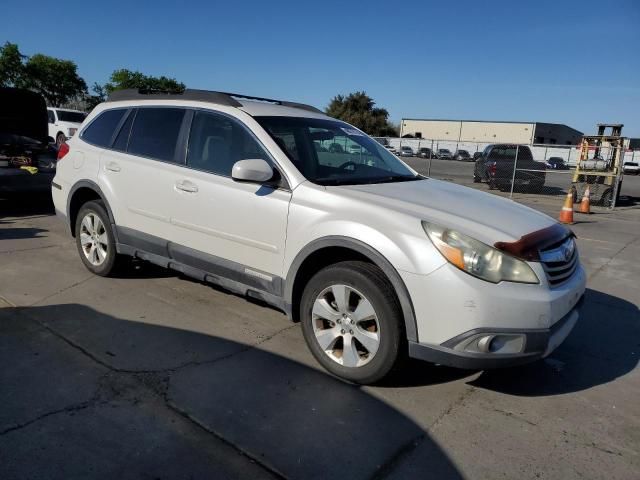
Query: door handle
{"points": [[112, 167], [186, 186]]}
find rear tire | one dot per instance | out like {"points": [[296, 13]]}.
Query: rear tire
{"points": [[352, 322], [95, 240]]}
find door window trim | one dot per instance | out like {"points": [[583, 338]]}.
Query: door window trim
{"points": [[182, 144]]}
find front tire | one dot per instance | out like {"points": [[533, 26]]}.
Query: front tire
{"points": [[95, 241], [352, 322]]}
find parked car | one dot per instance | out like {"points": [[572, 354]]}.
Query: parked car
{"points": [[391, 148], [375, 261], [497, 163], [64, 123], [462, 155], [425, 152], [27, 160], [444, 154], [476, 156], [405, 151], [557, 163], [631, 168]]}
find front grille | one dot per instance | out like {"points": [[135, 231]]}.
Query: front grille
{"points": [[560, 262]]}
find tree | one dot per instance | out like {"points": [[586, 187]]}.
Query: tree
{"points": [[359, 109], [11, 65], [55, 79], [123, 78]]}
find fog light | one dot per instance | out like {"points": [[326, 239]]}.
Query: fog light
{"points": [[501, 343], [496, 343]]}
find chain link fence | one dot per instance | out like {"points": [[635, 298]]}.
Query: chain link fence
{"points": [[517, 171]]}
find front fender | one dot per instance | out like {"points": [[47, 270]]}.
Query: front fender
{"points": [[374, 256]]}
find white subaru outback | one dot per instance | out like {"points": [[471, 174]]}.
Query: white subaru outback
{"points": [[277, 201]]}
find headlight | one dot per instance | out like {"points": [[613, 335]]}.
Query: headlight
{"points": [[478, 259]]}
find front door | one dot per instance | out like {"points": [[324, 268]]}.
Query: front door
{"points": [[242, 226]]}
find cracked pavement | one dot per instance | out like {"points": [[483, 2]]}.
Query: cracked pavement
{"points": [[152, 375]]}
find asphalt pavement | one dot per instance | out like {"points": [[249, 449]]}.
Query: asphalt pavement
{"points": [[153, 375]]}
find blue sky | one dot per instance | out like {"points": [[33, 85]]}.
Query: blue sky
{"points": [[574, 62]]}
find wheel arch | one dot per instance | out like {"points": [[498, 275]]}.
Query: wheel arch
{"points": [[82, 192], [311, 259]]}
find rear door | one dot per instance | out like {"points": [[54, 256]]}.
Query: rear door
{"points": [[240, 226], [139, 172]]}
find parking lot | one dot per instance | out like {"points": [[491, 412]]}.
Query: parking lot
{"points": [[154, 375], [556, 182]]}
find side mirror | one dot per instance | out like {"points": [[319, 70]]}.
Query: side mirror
{"points": [[254, 170]]}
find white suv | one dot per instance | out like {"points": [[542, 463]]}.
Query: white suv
{"points": [[376, 261], [64, 123]]}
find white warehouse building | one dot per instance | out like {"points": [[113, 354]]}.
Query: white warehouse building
{"points": [[490, 131]]}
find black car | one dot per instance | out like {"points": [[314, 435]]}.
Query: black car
{"points": [[425, 152], [462, 155], [496, 164], [27, 160], [557, 163]]}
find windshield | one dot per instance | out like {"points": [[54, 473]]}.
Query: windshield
{"points": [[74, 117], [331, 152]]}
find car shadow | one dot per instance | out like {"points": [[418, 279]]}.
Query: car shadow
{"points": [[604, 345], [578, 363], [21, 233], [23, 205], [297, 421]]}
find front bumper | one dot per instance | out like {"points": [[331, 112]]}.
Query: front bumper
{"points": [[451, 306], [538, 344]]}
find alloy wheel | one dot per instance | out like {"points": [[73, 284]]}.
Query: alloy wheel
{"points": [[346, 326], [94, 240]]}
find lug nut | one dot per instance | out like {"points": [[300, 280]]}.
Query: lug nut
{"points": [[342, 331], [351, 332]]}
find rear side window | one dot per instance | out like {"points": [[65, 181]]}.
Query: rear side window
{"points": [[100, 131], [122, 139], [217, 142], [51, 116], [155, 133]]}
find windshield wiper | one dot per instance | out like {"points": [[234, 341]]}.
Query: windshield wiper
{"points": [[394, 178]]}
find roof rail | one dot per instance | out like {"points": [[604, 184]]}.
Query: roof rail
{"points": [[220, 98], [189, 94]]}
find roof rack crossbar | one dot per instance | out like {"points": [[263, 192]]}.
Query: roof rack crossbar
{"points": [[220, 98]]}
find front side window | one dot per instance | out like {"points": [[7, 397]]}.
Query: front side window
{"points": [[52, 117], [155, 133], [331, 152], [100, 131], [217, 142]]}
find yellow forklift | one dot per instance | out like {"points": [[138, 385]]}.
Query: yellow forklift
{"points": [[599, 166]]}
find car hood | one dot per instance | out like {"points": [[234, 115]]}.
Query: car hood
{"points": [[486, 217]]}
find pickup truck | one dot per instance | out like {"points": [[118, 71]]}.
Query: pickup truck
{"points": [[495, 167], [27, 160]]}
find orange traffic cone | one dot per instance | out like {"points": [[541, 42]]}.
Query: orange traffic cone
{"points": [[585, 204], [566, 214]]}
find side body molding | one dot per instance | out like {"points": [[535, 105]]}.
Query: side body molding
{"points": [[374, 256]]}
